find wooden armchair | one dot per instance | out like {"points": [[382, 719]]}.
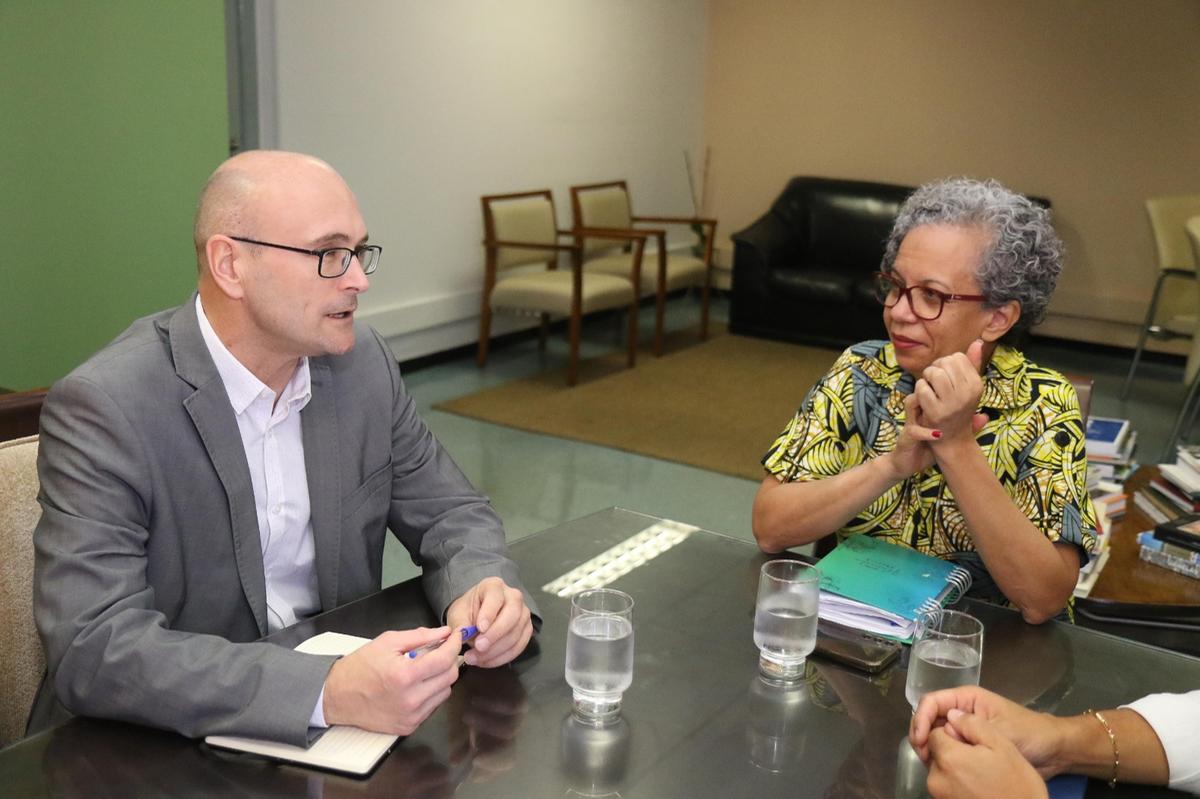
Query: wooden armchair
{"points": [[606, 206], [522, 244]]}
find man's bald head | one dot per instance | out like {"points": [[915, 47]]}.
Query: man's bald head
{"points": [[232, 198], [262, 217]]}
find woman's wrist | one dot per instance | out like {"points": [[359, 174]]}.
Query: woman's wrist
{"points": [[1084, 746], [951, 452], [890, 470]]}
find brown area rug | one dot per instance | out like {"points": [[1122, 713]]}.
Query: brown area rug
{"points": [[715, 405]]}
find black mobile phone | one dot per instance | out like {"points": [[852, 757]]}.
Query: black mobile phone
{"points": [[854, 647]]}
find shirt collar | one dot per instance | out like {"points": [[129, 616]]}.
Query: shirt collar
{"points": [[242, 387], [884, 370]]}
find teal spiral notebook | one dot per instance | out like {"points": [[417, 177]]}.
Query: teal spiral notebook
{"points": [[881, 588]]}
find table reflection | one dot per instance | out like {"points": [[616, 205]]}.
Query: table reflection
{"points": [[486, 710], [92, 758], [595, 759], [911, 773], [777, 725], [1038, 682], [877, 705]]}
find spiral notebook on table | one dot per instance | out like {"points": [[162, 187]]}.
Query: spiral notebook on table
{"points": [[881, 588]]}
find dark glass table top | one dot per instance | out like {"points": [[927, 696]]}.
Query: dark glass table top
{"points": [[696, 722]]}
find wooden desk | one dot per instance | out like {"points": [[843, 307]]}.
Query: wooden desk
{"points": [[1129, 579], [1138, 600]]}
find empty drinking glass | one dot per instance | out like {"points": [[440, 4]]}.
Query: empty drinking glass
{"points": [[947, 651], [785, 618], [600, 652]]}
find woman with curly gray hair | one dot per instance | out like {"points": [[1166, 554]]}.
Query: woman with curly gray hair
{"points": [[944, 438]]}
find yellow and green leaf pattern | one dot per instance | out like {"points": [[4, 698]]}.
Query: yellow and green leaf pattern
{"points": [[1033, 440]]}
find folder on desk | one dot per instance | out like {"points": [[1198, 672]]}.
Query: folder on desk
{"points": [[341, 748], [882, 588]]}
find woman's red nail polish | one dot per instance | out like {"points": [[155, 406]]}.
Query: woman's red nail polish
{"points": [[936, 434]]}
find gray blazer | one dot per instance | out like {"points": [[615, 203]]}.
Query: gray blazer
{"points": [[149, 591]]}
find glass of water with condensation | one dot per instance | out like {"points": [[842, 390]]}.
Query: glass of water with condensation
{"points": [[600, 653], [947, 651], [785, 618]]}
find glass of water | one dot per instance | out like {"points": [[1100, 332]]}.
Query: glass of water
{"points": [[785, 618], [600, 653], [947, 651]]}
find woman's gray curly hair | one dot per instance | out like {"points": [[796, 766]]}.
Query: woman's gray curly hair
{"points": [[1025, 256]]}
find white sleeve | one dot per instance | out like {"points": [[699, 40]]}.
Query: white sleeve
{"points": [[1175, 719], [317, 719]]}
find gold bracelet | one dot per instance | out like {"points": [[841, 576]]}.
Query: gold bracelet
{"points": [[1112, 737]]}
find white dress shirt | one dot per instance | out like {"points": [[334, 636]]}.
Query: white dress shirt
{"points": [[271, 436], [1175, 719]]}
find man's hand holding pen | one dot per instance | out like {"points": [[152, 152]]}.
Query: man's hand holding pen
{"points": [[396, 681], [379, 687], [503, 620]]}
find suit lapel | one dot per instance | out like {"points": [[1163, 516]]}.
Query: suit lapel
{"points": [[213, 416], [320, 432]]}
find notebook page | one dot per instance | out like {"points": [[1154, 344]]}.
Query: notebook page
{"points": [[341, 748]]}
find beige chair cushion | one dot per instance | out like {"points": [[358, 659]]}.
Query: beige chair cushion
{"points": [[682, 270], [524, 219], [607, 207], [1168, 216], [23, 661], [1193, 231], [550, 292]]}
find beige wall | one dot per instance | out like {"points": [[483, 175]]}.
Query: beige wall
{"points": [[1092, 103]]}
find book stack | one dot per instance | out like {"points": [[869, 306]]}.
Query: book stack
{"points": [[1090, 573], [1174, 545], [1109, 502], [1110, 505], [1175, 492], [1110, 445], [1157, 509]]}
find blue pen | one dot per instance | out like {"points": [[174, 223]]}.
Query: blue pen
{"points": [[467, 634]]}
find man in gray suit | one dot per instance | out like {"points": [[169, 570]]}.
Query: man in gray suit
{"points": [[229, 466]]}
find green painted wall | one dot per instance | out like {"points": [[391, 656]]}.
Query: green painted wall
{"points": [[112, 114]]}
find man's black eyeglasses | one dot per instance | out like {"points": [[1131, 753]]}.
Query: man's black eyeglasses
{"points": [[332, 261]]}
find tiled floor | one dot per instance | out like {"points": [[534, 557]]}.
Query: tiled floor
{"points": [[536, 481]]}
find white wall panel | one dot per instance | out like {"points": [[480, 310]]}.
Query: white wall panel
{"points": [[426, 106]]}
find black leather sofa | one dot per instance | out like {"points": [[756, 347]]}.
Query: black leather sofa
{"points": [[801, 272]]}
